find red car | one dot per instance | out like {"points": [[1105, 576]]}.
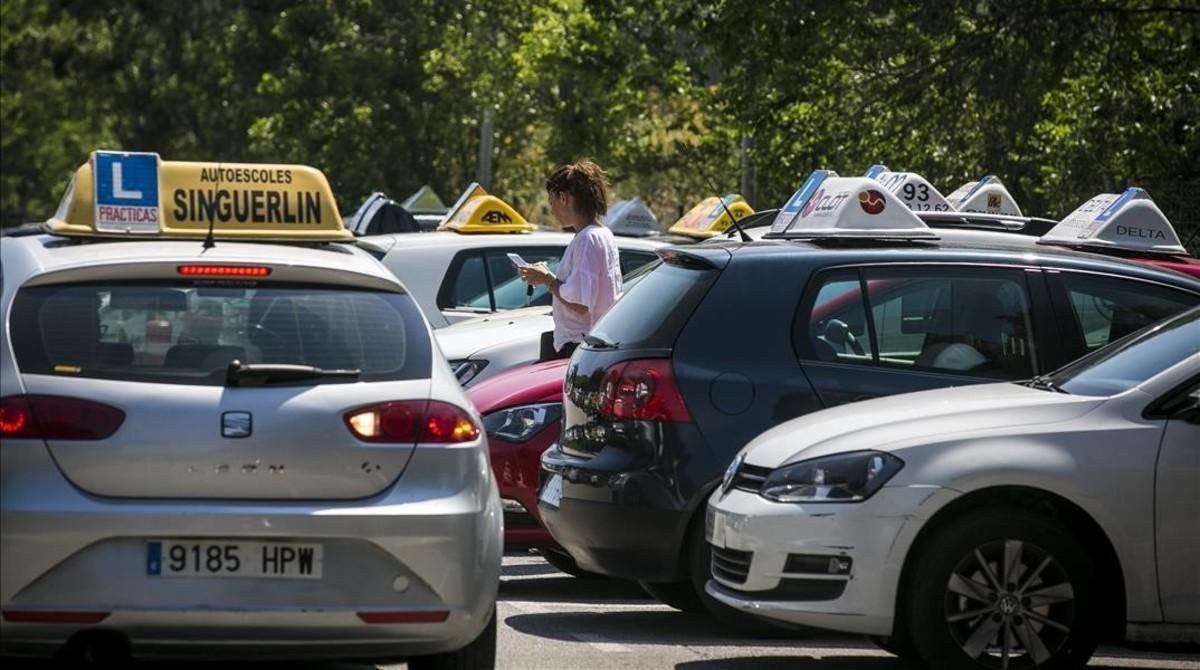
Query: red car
{"points": [[522, 412]]}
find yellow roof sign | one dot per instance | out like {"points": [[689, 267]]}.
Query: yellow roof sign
{"points": [[709, 217], [139, 194], [478, 212]]}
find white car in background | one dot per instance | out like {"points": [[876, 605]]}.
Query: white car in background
{"points": [[462, 270], [484, 346], [1011, 525], [488, 345]]}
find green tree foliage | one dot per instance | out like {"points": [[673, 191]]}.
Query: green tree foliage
{"points": [[1062, 100]]}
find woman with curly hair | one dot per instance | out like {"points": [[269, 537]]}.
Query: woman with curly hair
{"points": [[588, 280]]}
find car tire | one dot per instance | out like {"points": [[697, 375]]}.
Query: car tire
{"points": [[679, 595], [896, 646], [1003, 581], [480, 654], [563, 562]]}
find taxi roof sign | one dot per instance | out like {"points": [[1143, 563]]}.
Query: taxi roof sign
{"points": [[1129, 220], [476, 211], [127, 194], [710, 216], [911, 188], [632, 218], [424, 201], [986, 196], [828, 206]]}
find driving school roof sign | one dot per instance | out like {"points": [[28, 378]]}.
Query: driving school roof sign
{"points": [[479, 212], [986, 196], [711, 216], [1130, 221], [911, 188], [132, 194], [828, 206]]}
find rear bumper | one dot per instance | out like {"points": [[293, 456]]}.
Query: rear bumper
{"points": [[627, 525], [426, 545]]}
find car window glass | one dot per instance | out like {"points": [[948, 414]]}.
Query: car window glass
{"points": [[632, 260], [653, 312], [952, 323], [189, 335], [1107, 309], [509, 290], [837, 322], [470, 285]]}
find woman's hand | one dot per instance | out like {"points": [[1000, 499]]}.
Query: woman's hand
{"points": [[538, 274]]}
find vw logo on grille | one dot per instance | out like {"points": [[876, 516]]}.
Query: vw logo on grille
{"points": [[236, 424], [731, 473]]}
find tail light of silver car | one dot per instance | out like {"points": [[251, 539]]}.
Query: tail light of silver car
{"points": [[57, 418], [643, 389], [424, 421]]}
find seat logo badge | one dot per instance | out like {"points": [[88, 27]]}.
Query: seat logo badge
{"points": [[236, 424]]}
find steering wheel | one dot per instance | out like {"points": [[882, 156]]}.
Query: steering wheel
{"points": [[837, 333]]}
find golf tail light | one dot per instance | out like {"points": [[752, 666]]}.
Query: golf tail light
{"points": [[427, 421], [643, 389], [57, 418], [224, 270]]}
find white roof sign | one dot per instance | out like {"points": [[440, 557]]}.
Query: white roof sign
{"points": [[788, 213], [1129, 221], [848, 207], [632, 218], [911, 188], [986, 196]]}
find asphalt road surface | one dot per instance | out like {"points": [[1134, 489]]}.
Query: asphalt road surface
{"points": [[551, 621]]}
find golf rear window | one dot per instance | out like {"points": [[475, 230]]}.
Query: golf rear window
{"points": [[653, 312], [190, 333]]}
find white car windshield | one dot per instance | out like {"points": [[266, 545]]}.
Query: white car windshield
{"points": [[1132, 360]]}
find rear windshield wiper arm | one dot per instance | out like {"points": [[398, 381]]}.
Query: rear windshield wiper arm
{"points": [[241, 374], [599, 342]]}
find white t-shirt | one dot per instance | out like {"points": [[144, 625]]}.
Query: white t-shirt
{"points": [[590, 272]]}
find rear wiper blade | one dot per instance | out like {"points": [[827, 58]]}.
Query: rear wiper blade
{"points": [[241, 374], [1043, 383], [599, 342]]}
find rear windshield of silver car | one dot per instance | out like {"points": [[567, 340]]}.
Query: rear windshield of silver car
{"points": [[191, 333]]}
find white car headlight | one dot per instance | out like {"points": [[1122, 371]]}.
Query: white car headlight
{"points": [[521, 423], [465, 369], [851, 477]]}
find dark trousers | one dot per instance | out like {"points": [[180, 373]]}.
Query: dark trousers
{"points": [[547, 351]]}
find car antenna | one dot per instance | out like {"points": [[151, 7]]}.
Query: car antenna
{"points": [[210, 208], [709, 182]]}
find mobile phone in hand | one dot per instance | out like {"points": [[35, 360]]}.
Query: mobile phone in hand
{"points": [[517, 261]]}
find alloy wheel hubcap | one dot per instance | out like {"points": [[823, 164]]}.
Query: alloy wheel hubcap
{"points": [[1009, 604]]}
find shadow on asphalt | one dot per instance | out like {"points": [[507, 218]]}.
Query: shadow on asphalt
{"points": [[658, 628], [797, 663], [574, 590]]}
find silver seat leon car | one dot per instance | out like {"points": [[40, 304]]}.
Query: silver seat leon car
{"points": [[227, 432]]}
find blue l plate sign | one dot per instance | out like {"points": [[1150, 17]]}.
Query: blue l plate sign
{"points": [[126, 192]]}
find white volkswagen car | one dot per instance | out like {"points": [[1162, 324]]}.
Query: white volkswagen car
{"points": [[1003, 526], [231, 443]]}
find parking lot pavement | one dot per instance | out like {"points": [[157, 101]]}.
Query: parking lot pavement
{"points": [[551, 621]]}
